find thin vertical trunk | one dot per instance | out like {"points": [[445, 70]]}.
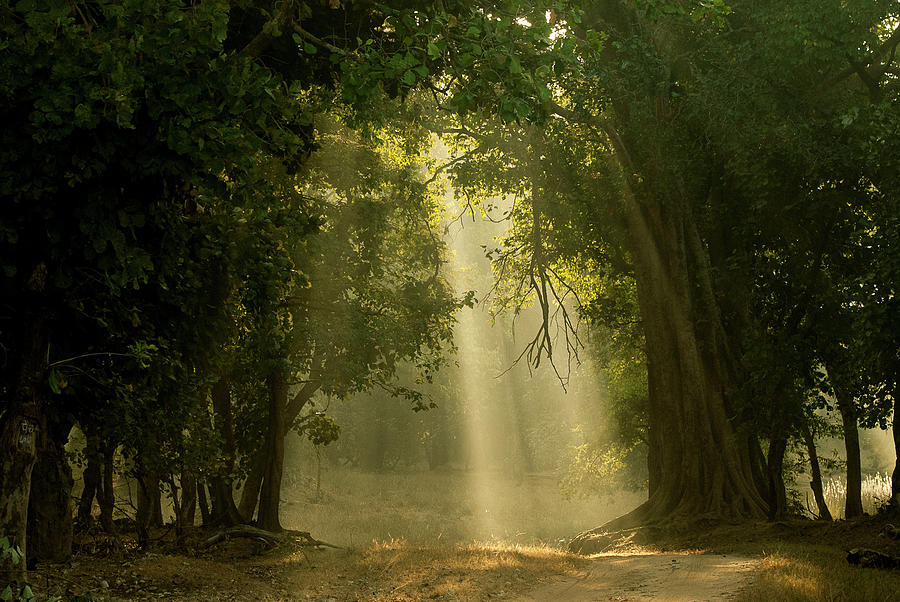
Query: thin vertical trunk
{"points": [[148, 507], [273, 448], [188, 512], [850, 427], [252, 484], [91, 477], [847, 408], [816, 482], [775, 474], [203, 502], [224, 512], [107, 497], [895, 427]]}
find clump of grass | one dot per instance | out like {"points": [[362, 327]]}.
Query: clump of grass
{"points": [[801, 572], [876, 491]]}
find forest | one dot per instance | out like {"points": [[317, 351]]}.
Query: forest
{"points": [[637, 247]]}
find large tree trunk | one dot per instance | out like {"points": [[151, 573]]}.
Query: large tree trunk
{"points": [[698, 467], [273, 450], [50, 504], [20, 434], [816, 482]]}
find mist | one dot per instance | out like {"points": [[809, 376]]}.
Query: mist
{"points": [[489, 462]]}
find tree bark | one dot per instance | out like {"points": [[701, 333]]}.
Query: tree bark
{"points": [[273, 448], [107, 497], [224, 512], [291, 410], [205, 514], [20, 431], [816, 482], [775, 472], [50, 526], [91, 477], [250, 492], [847, 408], [701, 469], [188, 512]]}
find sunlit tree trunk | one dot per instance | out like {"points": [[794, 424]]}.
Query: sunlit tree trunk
{"points": [[702, 470], [816, 482], [850, 427]]}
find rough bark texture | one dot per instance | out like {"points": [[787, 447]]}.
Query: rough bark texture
{"points": [[50, 526], [699, 469], [775, 471], [816, 482], [20, 431], [18, 445], [273, 450]]}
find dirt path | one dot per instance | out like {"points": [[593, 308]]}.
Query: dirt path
{"points": [[653, 577]]}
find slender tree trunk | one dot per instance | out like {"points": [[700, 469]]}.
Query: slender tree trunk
{"points": [[224, 512], [252, 485], [149, 506], [107, 497], [775, 472], [258, 470], [188, 512], [273, 448], [203, 502], [847, 408], [816, 482], [91, 477]]}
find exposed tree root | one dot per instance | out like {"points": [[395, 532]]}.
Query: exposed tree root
{"points": [[269, 537]]}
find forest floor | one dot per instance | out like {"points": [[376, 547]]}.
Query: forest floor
{"points": [[433, 553]]}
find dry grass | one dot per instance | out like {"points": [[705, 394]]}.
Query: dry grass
{"points": [[802, 572], [876, 491]]}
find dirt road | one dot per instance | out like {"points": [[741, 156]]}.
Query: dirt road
{"points": [[652, 577]]}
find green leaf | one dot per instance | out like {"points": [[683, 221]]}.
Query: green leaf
{"points": [[433, 51], [515, 67], [309, 48], [7, 593]]}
